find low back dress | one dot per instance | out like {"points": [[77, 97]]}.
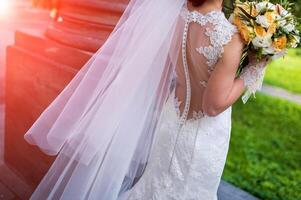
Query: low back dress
{"points": [[190, 148]]}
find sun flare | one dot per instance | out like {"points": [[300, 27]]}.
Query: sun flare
{"points": [[5, 7]]}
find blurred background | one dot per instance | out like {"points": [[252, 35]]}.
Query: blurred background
{"points": [[43, 43]]}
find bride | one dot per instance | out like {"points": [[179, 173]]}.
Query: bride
{"points": [[149, 115]]}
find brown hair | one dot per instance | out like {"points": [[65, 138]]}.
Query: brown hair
{"points": [[197, 3]]}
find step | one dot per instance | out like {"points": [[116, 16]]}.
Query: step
{"points": [[98, 31], [114, 6], [32, 83], [103, 19], [37, 43], [93, 11], [75, 40], [5, 193], [12, 185], [32, 14], [227, 191]]}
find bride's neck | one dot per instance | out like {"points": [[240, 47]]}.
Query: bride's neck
{"points": [[207, 6]]}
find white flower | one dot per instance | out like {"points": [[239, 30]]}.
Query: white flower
{"points": [[282, 22], [283, 12], [262, 42], [289, 27], [263, 21], [277, 17], [265, 4], [268, 50]]}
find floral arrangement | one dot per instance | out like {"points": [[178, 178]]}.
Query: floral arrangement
{"points": [[267, 29]]}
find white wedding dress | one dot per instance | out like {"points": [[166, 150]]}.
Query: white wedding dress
{"points": [[127, 137], [188, 156]]}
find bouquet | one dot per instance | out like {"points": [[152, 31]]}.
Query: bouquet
{"points": [[267, 29]]}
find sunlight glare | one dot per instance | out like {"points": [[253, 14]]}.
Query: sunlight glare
{"points": [[5, 7]]}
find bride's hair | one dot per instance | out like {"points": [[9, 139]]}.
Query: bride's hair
{"points": [[197, 3]]}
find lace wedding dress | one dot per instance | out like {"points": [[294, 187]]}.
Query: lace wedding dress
{"points": [[111, 136], [190, 149]]}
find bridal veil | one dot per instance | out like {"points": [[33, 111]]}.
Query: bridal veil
{"points": [[102, 125]]}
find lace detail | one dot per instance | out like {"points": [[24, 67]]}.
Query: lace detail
{"points": [[253, 76], [219, 36], [212, 54], [204, 83], [187, 159], [177, 104], [196, 115], [198, 149]]}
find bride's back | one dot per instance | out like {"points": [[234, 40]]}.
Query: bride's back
{"points": [[203, 40]]}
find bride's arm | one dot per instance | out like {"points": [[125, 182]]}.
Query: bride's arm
{"points": [[224, 87]]}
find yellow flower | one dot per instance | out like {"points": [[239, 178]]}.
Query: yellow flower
{"points": [[280, 43], [238, 22], [246, 32], [272, 28], [260, 31], [237, 11], [270, 16]]}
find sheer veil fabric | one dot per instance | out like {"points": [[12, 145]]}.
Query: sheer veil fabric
{"points": [[102, 125]]}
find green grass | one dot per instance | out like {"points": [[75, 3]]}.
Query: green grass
{"points": [[265, 151], [286, 73]]}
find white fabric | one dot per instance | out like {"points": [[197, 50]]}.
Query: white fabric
{"points": [[109, 119], [195, 169], [188, 164], [102, 125]]}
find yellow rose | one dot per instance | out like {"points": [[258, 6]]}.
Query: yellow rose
{"points": [[260, 31], [238, 22], [270, 16], [247, 33], [236, 11], [280, 43], [272, 28]]}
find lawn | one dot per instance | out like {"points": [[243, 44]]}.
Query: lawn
{"points": [[265, 151], [286, 72]]}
